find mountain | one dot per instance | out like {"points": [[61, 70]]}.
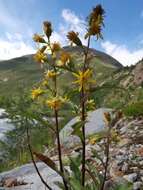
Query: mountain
{"points": [[24, 70], [117, 85]]}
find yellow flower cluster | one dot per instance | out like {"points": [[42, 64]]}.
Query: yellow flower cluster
{"points": [[64, 59], [84, 78], [44, 83], [56, 102], [40, 57], [92, 141], [36, 93], [50, 74]]}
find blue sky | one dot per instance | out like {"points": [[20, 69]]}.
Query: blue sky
{"points": [[123, 32]]}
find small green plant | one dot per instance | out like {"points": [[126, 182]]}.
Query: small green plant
{"points": [[134, 109]]}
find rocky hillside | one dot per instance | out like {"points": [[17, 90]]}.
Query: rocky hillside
{"points": [[116, 85]]}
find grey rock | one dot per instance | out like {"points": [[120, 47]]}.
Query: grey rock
{"points": [[137, 185], [28, 174], [95, 123], [123, 130], [125, 167], [131, 177]]}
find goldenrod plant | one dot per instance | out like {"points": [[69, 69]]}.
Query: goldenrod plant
{"points": [[55, 60]]}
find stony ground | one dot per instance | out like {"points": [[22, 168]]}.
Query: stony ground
{"points": [[126, 159], [126, 156]]}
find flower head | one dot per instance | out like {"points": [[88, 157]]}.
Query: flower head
{"points": [[84, 78], [56, 47], [40, 57], [92, 141], [64, 58], [56, 102], [36, 93], [73, 37], [97, 12], [50, 74], [44, 83], [38, 38], [47, 27], [96, 21]]}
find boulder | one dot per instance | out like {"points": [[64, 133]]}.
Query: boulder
{"points": [[95, 123], [29, 176]]}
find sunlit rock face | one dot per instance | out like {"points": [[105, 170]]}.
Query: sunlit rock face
{"points": [[95, 123], [138, 74]]}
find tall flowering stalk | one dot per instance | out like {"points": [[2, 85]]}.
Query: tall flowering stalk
{"points": [[84, 77], [53, 59], [54, 101]]}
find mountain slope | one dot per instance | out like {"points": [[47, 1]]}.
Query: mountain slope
{"points": [[23, 71]]}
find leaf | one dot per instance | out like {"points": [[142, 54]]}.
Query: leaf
{"points": [[76, 184], [74, 166], [77, 130], [126, 186], [99, 135], [46, 160]]}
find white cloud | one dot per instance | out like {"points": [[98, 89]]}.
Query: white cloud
{"points": [[122, 53], [70, 22], [14, 46]]}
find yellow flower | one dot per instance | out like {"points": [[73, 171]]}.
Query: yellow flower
{"points": [[55, 47], [50, 74], [73, 37], [64, 58], [47, 27], [92, 141], [83, 79], [36, 93], [40, 57], [38, 38], [45, 83], [56, 102]]}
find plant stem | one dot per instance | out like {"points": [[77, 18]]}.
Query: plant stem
{"points": [[32, 157], [59, 149], [83, 117], [57, 135], [107, 159]]}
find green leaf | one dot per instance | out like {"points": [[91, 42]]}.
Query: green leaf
{"points": [[126, 186], [99, 135], [74, 166], [77, 129]]}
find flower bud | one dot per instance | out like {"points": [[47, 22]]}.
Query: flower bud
{"points": [[73, 37], [47, 27], [38, 38]]}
